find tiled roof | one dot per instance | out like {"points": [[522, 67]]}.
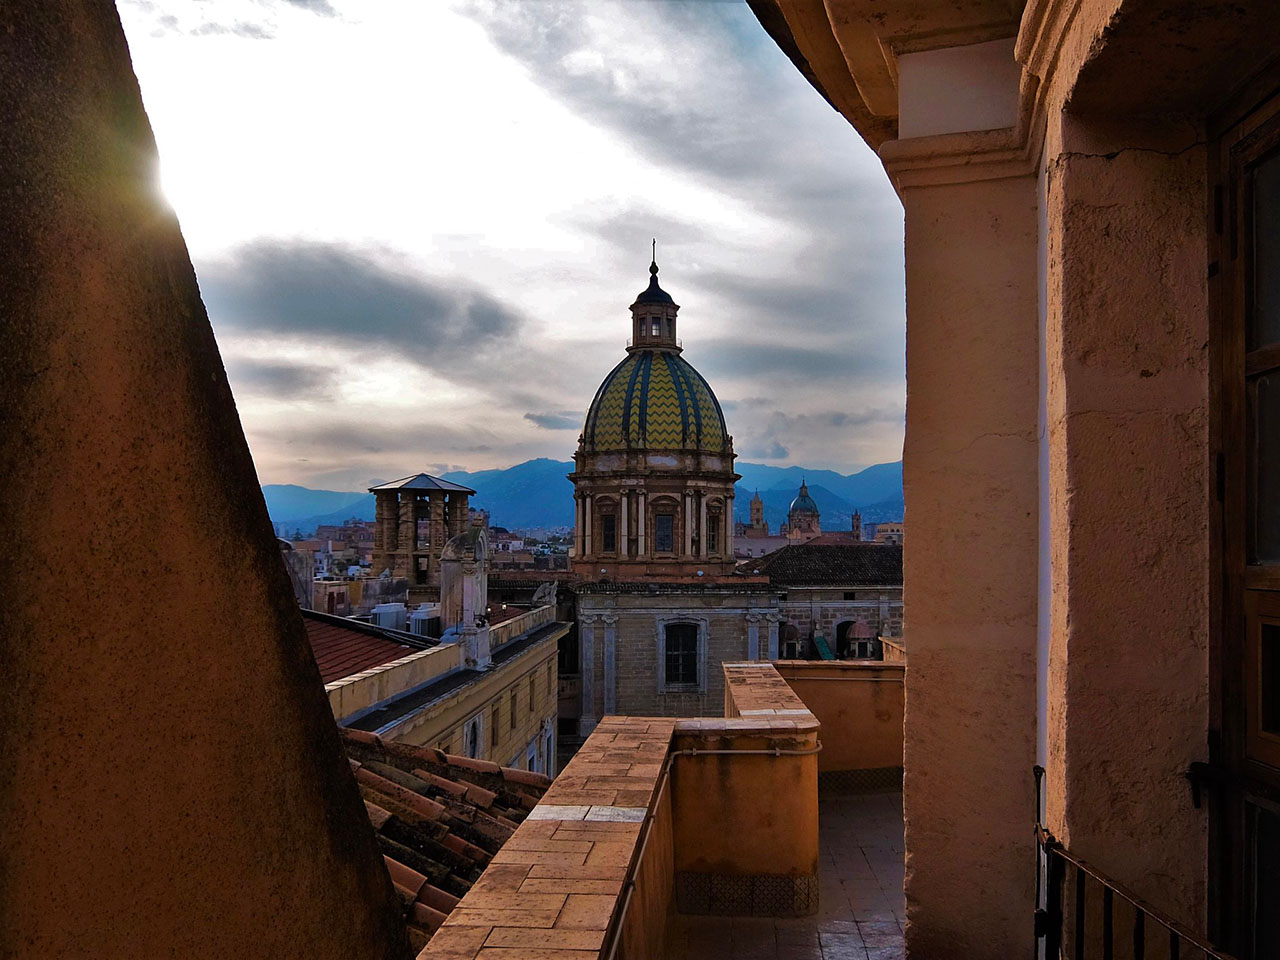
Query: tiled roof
{"points": [[344, 647], [863, 564], [837, 538], [439, 819], [423, 481]]}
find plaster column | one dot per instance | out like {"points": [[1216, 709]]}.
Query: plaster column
{"points": [[624, 502], [688, 525], [970, 485], [702, 525], [577, 528], [610, 664], [753, 636], [587, 672], [641, 548], [773, 619], [586, 525]]}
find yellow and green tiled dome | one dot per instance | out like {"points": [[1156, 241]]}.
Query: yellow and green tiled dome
{"points": [[654, 400]]}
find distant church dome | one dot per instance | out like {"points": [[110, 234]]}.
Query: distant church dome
{"points": [[803, 503], [655, 400]]}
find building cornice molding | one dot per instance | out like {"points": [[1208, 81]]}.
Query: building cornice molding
{"points": [[970, 157]]}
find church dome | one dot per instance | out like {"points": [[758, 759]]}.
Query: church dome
{"points": [[655, 400], [803, 503]]}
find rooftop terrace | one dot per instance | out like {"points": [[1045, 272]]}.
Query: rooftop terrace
{"points": [[699, 837]]}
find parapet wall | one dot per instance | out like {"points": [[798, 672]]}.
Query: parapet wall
{"points": [[860, 707], [708, 815], [745, 801]]}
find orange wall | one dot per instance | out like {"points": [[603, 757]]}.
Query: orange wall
{"points": [[645, 926], [859, 706], [171, 779], [745, 815]]}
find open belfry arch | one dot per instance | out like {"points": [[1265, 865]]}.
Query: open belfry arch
{"points": [[414, 517]]}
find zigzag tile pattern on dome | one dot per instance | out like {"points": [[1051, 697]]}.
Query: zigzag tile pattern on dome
{"points": [[655, 400]]}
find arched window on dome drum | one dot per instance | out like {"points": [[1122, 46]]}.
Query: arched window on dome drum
{"points": [[656, 328]]}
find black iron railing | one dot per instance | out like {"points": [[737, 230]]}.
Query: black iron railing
{"points": [[1081, 913]]}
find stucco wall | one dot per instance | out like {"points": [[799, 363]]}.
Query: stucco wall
{"points": [[969, 476], [171, 779], [1129, 503], [860, 707]]}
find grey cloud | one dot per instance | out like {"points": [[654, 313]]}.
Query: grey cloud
{"points": [[629, 229], [241, 28], [564, 420], [321, 7], [810, 364], [330, 293], [810, 437], [281, 379], [765, 451]]}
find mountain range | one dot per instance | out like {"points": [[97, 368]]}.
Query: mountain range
{"points": [[538, 494]]}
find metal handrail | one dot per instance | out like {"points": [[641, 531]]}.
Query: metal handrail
{"points": [[1052, 860]]}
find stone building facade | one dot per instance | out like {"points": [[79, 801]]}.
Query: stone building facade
{"points": [[848, 594], [657, 649]]}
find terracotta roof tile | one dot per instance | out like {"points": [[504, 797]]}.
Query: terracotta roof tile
{"points": [[439, 823], [862, 564], [342, 650]]}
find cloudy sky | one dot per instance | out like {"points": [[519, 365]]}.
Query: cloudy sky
{"points": [[418, 224]]}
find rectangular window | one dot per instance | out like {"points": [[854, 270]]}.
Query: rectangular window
{"points": [[493, 725], [656, 326], [531, 693], [713, 533], [512, 705], [609, 533], [681, 654], [471, 738], [664, 533]]}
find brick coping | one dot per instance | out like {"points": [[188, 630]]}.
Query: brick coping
{"points": [[557, 884]]}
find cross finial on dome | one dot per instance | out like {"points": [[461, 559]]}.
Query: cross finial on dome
{"points": [[653, 262]]}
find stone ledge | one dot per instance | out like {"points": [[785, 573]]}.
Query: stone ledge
{"points": [[558, 884]]}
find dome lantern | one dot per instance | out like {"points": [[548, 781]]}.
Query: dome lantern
{"points": [[653, 315]]}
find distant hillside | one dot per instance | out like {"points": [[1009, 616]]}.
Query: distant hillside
{"points": [[537, 493], [876, 484]]}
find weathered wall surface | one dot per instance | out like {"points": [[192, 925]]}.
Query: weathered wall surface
{"points": [[969, 473], [171, 781], [1129, 505], [860, 708]]}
